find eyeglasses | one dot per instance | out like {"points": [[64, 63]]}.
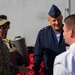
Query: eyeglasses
{"points": [[4, 27]]}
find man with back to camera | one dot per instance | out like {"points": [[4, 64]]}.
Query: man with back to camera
{"points": [[49, 42], [65, 62]]}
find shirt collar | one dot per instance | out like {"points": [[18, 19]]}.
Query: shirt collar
{"points": [[72, 47]]}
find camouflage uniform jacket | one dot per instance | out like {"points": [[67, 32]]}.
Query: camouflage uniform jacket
{"points": [[6, 68]]}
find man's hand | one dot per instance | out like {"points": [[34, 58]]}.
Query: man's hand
{"points": [[24, 69]]}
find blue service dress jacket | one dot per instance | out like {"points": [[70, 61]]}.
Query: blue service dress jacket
{"points": [[46, 48]]}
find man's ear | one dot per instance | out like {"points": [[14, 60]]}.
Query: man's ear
{"points": [[48, 18], [71, 33]]}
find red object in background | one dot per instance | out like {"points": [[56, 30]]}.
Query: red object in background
{"points": [[31, 64], [41, 71], [31, 58]]}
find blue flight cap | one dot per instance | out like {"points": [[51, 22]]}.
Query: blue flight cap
{"points": [[54, 11]]}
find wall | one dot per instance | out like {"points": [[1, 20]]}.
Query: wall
{"points": [[72, 6], [27, 17]]}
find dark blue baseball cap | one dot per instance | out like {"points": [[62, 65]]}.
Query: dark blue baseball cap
{"points": [[54, 11]]}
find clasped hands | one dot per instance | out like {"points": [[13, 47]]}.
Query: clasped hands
{"points": [[25, 70]]}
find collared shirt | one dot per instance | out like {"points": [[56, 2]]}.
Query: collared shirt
{"points": [[57, 35], [65, 63]]}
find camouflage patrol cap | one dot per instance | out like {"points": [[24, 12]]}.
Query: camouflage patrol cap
{"points": [[54, 11]]}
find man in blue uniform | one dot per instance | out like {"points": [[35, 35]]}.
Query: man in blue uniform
{"points": [[49, 42]]}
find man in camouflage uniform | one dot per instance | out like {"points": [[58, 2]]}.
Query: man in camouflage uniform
{"points": [[7, 68]]}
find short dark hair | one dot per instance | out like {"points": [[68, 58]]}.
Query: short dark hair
{"points": [[70, 21], [3, 17]]}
